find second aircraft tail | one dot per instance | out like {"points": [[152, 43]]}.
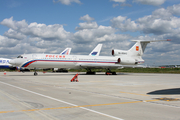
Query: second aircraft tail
{"points": [[96, 50]]}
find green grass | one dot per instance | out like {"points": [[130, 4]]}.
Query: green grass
{"points": [[151, 70], [136, 70], [125, 70]]}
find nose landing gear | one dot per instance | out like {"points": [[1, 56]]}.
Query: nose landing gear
{"points": [[35, 72]]}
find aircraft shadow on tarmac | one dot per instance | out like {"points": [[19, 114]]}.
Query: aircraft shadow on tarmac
{"points": [[173, 91], [103, 74]]}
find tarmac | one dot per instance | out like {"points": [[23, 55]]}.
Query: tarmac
{"points": [[125, 96]]}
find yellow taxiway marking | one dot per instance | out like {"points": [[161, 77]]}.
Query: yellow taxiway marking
{"points": [[134, 93], [75, 106]]}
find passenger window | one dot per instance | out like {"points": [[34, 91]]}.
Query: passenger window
{"points": [[0, 61]]}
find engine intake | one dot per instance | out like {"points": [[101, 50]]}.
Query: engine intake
{"points": [[116, 52], [119, 60]]}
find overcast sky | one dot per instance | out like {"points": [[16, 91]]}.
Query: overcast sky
{"points": [[49, 26]]}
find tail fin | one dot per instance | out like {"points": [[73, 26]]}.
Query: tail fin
{"points": [[96, 50], [136, 50], [139, 48], [67, 51]]}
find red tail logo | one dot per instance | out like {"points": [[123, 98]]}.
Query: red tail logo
{"points": [[137, 48]]}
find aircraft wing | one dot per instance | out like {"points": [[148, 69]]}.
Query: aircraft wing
{"points": [[92, 65]]}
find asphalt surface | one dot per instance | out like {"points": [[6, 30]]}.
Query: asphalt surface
{"points": [[51, 96]]}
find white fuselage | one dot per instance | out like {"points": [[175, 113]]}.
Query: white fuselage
{"points": [[68, 61]]}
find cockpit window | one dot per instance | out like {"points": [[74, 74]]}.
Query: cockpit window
{"points": [[20, 56]]}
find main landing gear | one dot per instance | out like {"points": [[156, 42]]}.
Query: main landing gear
{"points": [[89, 72], [109, 72], [35, 72]]}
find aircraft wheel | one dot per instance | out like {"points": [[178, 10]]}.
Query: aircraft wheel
{"points": [[35, 74], [114, 73], [90, 73]]}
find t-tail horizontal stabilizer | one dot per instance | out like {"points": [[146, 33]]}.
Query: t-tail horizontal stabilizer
{"points": [[136, 50]]}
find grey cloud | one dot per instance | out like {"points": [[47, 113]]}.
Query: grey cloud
{"points": [[87, 25], [151, 2], [15, 25], [113, 37], [175, 9], [119, 1], [67, 2], [47, 32], [14, 34], [89, 35], [6, 42], [87, 18], [124, 24], [160, 22]]}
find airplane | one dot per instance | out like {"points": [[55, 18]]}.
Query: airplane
{"points": [[4, 64], [118, 60]]}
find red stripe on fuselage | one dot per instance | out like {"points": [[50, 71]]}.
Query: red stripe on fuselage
{"points": [[29, 63], [65, 61]]}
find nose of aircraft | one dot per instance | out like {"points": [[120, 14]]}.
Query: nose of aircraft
{"points": [[12, 62]]}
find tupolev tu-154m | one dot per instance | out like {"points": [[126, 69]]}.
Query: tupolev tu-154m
{"points": [[4, 62], [118, 60]]}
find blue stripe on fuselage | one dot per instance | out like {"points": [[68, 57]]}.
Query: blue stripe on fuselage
{"points": [[45, 60]]}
